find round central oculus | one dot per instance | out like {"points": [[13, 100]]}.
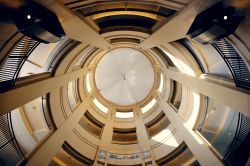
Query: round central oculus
{"points": [[124, 76]]}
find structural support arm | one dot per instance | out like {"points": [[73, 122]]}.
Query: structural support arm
{"points": [[16, 97], [74, 27], [232, 97], [44, 154], [200, 150]]}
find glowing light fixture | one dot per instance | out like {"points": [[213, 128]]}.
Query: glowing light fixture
{"points": [[28, 17]]}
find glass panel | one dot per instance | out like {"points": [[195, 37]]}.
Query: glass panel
{"points": [[124, 115], [88, 83], [72, 94], [161, 83], [219, 126], [100, 106], [148, 106]]}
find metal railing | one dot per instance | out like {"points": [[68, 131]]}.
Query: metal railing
{"points": [[10, 152], [75, 154], [242, 131], [235, 63], [241, 134], [67, 47], [11, 67]]}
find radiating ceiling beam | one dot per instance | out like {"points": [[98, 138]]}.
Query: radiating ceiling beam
{"points": [[74, 27], [49, 148], [19, 96], [232, 97], [178, 26], [198, 147]]}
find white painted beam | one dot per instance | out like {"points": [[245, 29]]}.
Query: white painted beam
{"points": [[74, 27], [200, 150], [19, 96], [230, 96], [47, 150]]}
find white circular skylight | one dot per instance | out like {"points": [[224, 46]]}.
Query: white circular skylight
{"points": [[124, 76]]}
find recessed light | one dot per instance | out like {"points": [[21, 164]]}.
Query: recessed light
{"points": [[28, 17], [225, 17]]}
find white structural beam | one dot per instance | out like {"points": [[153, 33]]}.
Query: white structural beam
{"points": [[201, 151], [74, 27], [142, 135], [47, 150], [232, 97], [178, 26], [19, 96]]}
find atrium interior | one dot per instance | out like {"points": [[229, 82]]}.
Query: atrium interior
{"points": [[125, 82]]}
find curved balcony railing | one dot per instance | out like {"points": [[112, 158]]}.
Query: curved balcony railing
{"points": [[12, 65], [241, 135], [235, 63], [10, 152], [240, 141]]}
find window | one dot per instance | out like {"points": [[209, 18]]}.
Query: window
{"points": [[72, 94], [161, 83], [124, 115], [88, 83], [100, 106], [148, 106]]}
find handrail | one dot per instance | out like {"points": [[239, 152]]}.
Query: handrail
{"points": [[235, 63], [43, 101], [234, 139], [13, 64], [10, 151], [75, 154], [202, 123], [184, 43], [67, 47]]}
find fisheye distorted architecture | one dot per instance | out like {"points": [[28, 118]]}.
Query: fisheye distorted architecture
{"points": [[125, 82]]}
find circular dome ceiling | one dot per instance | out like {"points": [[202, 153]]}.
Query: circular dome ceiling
{"points": [[124, 76]]}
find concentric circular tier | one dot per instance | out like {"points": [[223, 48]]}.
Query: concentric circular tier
{"points": [[124, 76]]}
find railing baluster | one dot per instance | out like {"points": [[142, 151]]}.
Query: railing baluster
{"points": [[13, 64], [235, 63], [10, 152]]}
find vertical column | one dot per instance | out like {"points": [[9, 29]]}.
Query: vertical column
{"points": [[48, 149], [108, 128], [107, 134], [142, 136], [199, 148]]}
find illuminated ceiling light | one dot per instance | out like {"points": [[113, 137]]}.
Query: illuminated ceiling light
{"points": [[28, 17], [225, 17]]}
